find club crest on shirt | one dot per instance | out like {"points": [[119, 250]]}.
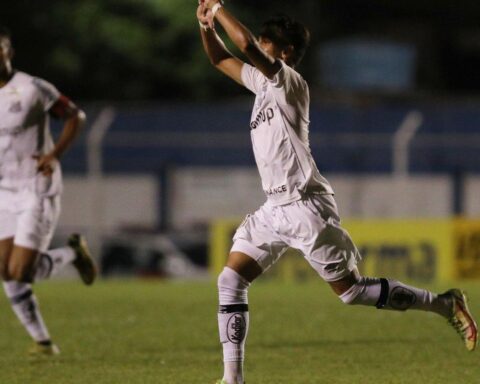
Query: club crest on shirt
{"points": [[13, 90], [15, 107]]}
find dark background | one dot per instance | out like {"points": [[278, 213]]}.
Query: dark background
{"points": [[150, 50]]}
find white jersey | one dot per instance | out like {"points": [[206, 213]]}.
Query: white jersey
{"points": [[279, 132], [25, 132]]}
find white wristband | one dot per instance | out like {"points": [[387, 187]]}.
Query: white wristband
{"points": [[215, 8], [205, 27]]}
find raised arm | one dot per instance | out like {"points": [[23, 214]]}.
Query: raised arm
{"points": [[216, 50], [244, 39]]}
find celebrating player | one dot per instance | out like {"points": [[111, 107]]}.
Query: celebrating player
{"points": [[300, 211], [30, 187]]}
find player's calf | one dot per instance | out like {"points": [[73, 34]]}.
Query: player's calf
{"points": [[26, 308], [22, 268], [233, 319], [394, 295]]}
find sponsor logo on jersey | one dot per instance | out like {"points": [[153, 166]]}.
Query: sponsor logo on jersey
{"points": [[276, 190], [236, 328], [263, 116]]}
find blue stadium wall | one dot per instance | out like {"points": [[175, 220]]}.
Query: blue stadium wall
{"points": [[344, 139]]}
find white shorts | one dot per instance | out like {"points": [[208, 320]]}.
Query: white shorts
{"points": [[310, 225], [28, 218]]}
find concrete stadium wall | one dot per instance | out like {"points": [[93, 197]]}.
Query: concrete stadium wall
{"points": [[198, 195], [115, 201], [390, 197], [204, 194], [472, 196]]}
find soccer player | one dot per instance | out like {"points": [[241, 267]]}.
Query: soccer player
{"points": [[30, 187], [300, 211]]}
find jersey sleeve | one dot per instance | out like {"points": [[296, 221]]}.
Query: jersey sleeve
{"points": [[252, 78], [47, 93]]}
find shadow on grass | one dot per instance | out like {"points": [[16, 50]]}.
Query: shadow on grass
{"points": [[325, 343], [329, 343]]}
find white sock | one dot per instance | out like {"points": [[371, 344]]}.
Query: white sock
{"points": [[233, 322], [393, 295], [51, 262], [25, 305]]}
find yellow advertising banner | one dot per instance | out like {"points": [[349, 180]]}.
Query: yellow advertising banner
{"points": [[467, 248], [425, 250], [411, 249]]}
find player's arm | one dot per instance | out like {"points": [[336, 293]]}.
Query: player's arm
{"points": [[74, 118], [216, 50], [244, 40]]}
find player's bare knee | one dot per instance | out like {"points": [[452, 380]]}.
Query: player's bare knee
{"points": [[351, 292], [226, 278], [348, 283], [222, 280], [346, 300]]}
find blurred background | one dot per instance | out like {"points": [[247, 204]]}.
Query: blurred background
{"points": [[164, 170]]}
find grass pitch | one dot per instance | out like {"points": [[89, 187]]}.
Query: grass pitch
{"points": [[146, 332]]}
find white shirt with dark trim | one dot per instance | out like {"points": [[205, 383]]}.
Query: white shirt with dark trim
{"points": [[279, 132], [25, 132]]}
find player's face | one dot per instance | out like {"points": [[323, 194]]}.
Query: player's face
{"points": [[274, 50], [5, 54], [268, 46]]}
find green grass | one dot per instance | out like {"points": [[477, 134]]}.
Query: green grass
{"points": [[144, 332]]}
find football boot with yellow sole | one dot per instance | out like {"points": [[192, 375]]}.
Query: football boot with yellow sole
{"points": [[462, 320]]}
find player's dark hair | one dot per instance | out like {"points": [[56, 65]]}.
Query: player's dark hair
{"points": [[284, 31]]}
